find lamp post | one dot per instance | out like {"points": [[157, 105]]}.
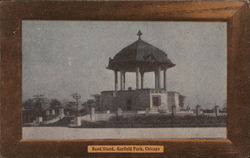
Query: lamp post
{"points": [[77, 97]]}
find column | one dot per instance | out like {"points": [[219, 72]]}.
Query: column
{"points": [[121, 80], [156, 79], [124, 80], [165, 79], [116, 80], [159, 77], [137, 77], [142, 79]]}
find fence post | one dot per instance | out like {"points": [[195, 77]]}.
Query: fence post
{"points": [[92, 113], [173, 110], [147, 111], [197, 110], [119, 111], [78, 121], [216, 110]]}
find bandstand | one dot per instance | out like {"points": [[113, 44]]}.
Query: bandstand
{"points": [[139, 57]]}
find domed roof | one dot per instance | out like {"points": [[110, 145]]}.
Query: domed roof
{"points": [[140, 53]]}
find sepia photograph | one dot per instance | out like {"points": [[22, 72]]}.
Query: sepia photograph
{"points": [[123, 80]]}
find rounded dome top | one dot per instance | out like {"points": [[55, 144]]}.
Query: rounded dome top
{"points": [[142, 54]]}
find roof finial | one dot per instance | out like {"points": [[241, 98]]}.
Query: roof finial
{"points": [[139, 34]]}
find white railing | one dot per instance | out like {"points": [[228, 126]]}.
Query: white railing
{"points": [[59, 117]]}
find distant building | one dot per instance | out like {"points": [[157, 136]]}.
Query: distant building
{"points": [[140, 57], [215, 111]]}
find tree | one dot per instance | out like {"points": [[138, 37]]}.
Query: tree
{"points": [[35, 104], [55, 103]]}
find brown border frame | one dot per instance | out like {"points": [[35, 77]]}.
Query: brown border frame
{"points": [[236, 15]]}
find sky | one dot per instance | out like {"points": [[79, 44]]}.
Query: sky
{"points": [[63, 57]]}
